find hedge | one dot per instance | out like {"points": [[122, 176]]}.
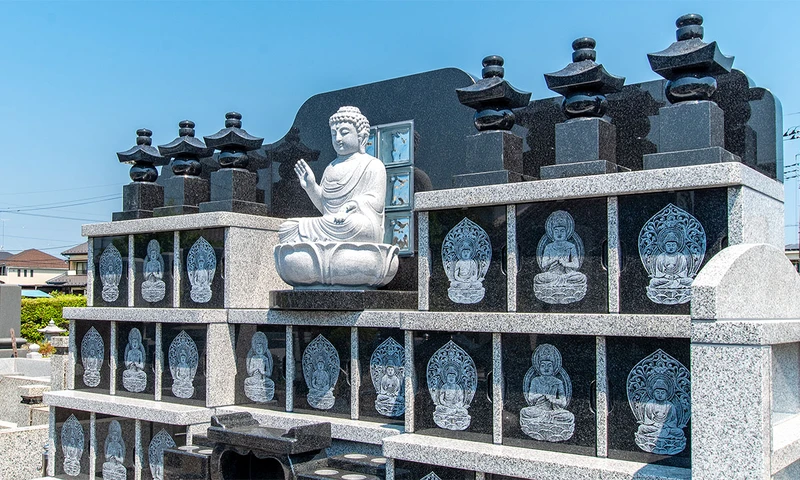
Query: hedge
{"points": [[37, 312]]}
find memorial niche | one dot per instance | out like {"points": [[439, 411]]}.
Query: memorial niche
{"points": [[382, 364], [249, 366], [157, 437], [202, 255], [71, 443], [110, 257], [641, 372], [135, 371], [468, 259], [91, 370], [454, 378], [565, 275], [532, 422], [665, 239], [114, 453], [322, 371], [154, 263], [184, 351], [161, 441]]}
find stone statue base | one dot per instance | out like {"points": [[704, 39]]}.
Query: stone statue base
{"points": [[259, 391], [452, 420], [153, 291], [72, 466], [660, 445], [114, 471], [336, 265], [91, 378], [670, 296], [321, 401], [182, 390], [390, 408], [559, 294], [548, 431], [134, 381], [466, 295]]}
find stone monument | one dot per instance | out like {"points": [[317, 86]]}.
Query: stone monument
{"points": [[186, 190], [142, 195]]}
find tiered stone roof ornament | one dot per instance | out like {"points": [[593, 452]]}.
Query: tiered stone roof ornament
{"points": [[143, 195], [186, 190]]}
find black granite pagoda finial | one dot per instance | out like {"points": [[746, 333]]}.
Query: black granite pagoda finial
{"points": [[144, 157], [186, 151], [690, 64], [233, 142], [584, 83], [493, 97]]}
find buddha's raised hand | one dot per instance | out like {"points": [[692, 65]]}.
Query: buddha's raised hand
{"points": [[305, 174]]}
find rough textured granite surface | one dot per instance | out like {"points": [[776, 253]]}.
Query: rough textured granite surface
{"points": [[786, 447], [367, 318], [424, 268], [521, 462], [220, 365], [614, 256], [182, 222], [148, 410], [163, 315], [511, 258], [743, 281], [746, 332], [625, 183], [601, 405], [734, 380], [754, 217], [250, 271], [22, 451], [786, 379]]}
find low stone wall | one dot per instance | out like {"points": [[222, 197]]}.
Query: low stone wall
{"points": [[22, 451]]}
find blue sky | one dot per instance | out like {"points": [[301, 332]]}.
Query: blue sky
{"points": [[78, 78]]}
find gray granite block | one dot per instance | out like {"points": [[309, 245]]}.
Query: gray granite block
{"points": [[233, 184], [51, 442], [238, 206], [586, 139], [497, 388], [579, 169], [685, 158], [624, 183], [250, 271], [220, 364], [290, 360], [177, 266], [746, 332], [112, 359], [165, 315], [131, 272], [92, 444], [367, 318], [184, 222], [355, 373], [614, 256], [136, 408], [424, 260], [731, 411], [73, 354], [786, 447], [158, 364], [521, 462], [690, 125], [601, 405], [634, 325], [89, 274], [138, 451], [409, 381], [743, 281], [786, 379], [22, 451], [350, 300], [511, 258], [791, 472], [754, 217]]}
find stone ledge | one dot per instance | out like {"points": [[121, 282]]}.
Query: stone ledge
{"points": [[181, 222], [367, 318], [148, 410], [630, 325], [149, 315], [341, 428], [613, 184], [785, 444], [746, 332], [521, 462]]}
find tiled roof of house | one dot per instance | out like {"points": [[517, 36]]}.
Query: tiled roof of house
{"points": [[4, 255], [68, 280], [82, 248], [33, 258]]}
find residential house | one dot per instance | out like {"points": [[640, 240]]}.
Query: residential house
{"points": [[74, 279], [31, 269]]}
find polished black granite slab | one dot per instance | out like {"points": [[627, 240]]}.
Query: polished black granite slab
{"points": [[348, 300], [377, 352], [623, 353], [478, 347], [539, 291], [71, 442], [708, 206], [197, 333], [242, 430], [150, 430], [117, 275], [148, 342], [216, 238], [89, 373], [140, 244], [276, 342], [107, 447], [578, 360], [339, 339], [187, 463], [492, 221], [420, 470], [138, 200]]}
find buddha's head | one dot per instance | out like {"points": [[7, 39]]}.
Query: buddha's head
{"points": [[153, 249], [546, 366], [320, 366], [349, 131], [465, 252], [259, 343], [672, 239], [450, 375], [135, 338], [390, 370], [559, 225], [661, 386]]}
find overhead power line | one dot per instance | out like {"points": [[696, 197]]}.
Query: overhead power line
{"points": [[61, 189], [64, 203]]}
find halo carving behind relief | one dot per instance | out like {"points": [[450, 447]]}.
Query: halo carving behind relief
{"points": [[452, 383], [321, 372], [560, 255], [155, 453], [258, 386], [134, 378], [72, 445], [92, 353], [548, 392], [110, 272], [183, 361], [466, 256], [389, 384], [201, 265], [153, 286]]}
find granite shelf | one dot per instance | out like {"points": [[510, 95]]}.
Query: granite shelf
{"points": [[366, 318], [181, 222], [785, 443], [150, 315]]}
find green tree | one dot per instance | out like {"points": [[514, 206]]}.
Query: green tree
{"points": [[36, 313]]}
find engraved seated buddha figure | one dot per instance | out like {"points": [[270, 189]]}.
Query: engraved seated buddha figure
{"points": [[465, 272], [451, 409], [389, 397], [134, 378], [113, 469], [343, 247], [659, 430], [320, 392], [546, 417], [153, 287], [559, 255], [258, 386], [182, 385], [672, 264]]}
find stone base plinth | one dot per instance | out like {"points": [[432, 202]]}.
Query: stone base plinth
{"points": [[352, 300]]}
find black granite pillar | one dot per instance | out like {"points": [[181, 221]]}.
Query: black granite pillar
{"points": [[142, 195], [186, 190]]}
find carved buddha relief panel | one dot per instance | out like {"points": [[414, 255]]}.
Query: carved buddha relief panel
{"points": [[92, 369], [135, 359], [665, 239], [110, 258], [157, 437], [468, 259], [203, 268], [153, 273], [184, 375], [561, 256], [115, 448], [261, 366], [382, 362], [72, 443], [322, 370]]}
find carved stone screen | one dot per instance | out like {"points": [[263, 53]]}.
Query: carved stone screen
{"points": [[453, 378], [156, 437], [72, 443], [183, 378], [93, 366], [153, 272], [536, 367], [665, 239], [381, 358], [110, 271], [468, 249], [261, 366], [115, 452], [649, 400], [322, 371], [136, 343], [203, 268], [561, 249]]}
